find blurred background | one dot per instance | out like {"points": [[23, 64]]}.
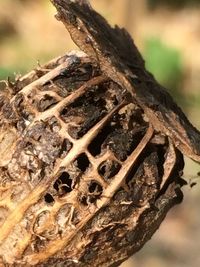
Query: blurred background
{"points": [[167, 32]]}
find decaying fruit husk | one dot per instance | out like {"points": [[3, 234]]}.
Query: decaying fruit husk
{"points": [[91, 152]]}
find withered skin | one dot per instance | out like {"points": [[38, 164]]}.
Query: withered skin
{"points": [[86, 174], [82, 169]]}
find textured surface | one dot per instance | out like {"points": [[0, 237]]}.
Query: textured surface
{"points": [[121, 61], [89, 167], [83, 174]]}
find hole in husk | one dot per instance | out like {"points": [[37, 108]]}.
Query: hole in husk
{"points": [[82, 162], [48, 198], [63, 184]]}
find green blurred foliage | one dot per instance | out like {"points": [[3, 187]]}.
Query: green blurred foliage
{"points": [[11, 72], [4, 72], [165, 63]]}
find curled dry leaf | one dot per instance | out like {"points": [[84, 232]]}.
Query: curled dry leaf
{"points": [[91, 152]]}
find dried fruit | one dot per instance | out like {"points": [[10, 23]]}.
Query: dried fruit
{"points": [[91, 152]]}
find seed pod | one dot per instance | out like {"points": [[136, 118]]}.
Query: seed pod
{"points": [[87, 175]]}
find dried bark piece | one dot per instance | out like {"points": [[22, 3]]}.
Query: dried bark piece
{"points": [[119, 58], [86, 172]]}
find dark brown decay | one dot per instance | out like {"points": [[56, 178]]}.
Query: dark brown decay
{"points": [[91, 152], [120, 60]]}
